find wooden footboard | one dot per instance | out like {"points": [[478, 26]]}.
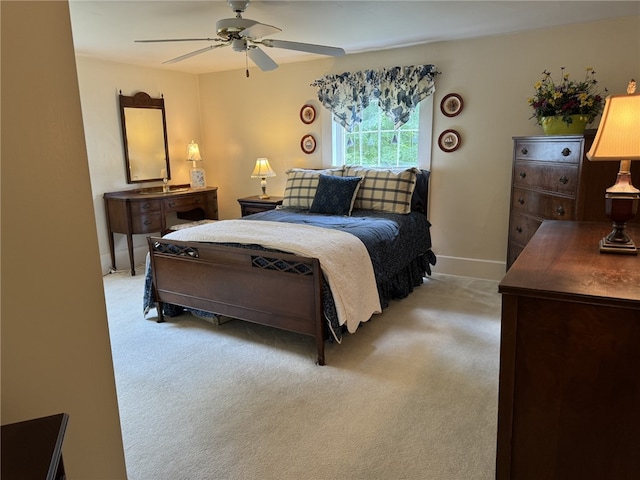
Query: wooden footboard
{"points": [[275, 289]]}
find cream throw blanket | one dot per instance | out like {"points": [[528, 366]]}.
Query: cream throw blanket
{"points": [[343, 257]]}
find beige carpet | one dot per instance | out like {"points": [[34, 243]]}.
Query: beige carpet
{"points": [[411, 395]]}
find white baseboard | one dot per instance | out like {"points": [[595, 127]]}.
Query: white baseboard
{"points": [[122, 260], [470, 267]]}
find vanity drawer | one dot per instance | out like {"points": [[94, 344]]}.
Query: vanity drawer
{"points": [[183, 203], [145, 207], [147, 223], [561, 150], [542, 205], [551, 177]]}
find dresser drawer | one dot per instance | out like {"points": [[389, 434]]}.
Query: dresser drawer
{"points": [[147, 223], [562, 150], [550, 177], [183, 203], [542, 205], [521, 229], [145, 207]]}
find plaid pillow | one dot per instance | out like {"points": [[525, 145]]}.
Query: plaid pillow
{"points": [[386, 190], [302, 185]]}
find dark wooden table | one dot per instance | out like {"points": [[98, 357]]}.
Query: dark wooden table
{"points": [[32, 450], [569, 400]]}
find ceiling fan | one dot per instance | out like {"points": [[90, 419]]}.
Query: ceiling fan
{"points": [[245, 35]]}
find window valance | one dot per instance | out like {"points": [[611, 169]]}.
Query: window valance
{"points": [[397, 89]]}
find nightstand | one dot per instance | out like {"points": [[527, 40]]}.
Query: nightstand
{"points": [[255, 204], [33, 448]]}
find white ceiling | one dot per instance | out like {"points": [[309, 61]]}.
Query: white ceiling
{"points": [[107, 29]]}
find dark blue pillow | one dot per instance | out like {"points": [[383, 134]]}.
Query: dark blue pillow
{"points": [[335, 195]]}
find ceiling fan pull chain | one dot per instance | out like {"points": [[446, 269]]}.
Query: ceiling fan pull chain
{"points": [[246, 61]]}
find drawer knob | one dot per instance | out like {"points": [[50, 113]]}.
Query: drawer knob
{"points": [[523, 174], [563, 180], [560, 211], [524, 151], [172, 204], [146, 206], [198, 200], [566, 152], [519, 229], [147, 222], [521, 201]]}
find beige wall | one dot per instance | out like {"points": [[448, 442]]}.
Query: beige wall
{"points": [[470, 188], [245, 118], [56, 355]]}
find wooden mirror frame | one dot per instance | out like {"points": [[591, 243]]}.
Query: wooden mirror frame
{"points": [[145, 160]]}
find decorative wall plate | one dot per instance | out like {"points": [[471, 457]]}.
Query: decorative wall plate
{"points": [[308, 114], [308, 144], [449, 140], [451, 105]]}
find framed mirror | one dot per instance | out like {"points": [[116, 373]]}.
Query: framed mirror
{"points": [[144, 135]]}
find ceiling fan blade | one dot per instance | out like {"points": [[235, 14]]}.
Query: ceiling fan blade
{"points": [[261, 59], [304, 47], [194, 53], [259, 30], [180, 40]]}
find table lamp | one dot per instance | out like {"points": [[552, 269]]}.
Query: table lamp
{"points": [[197, 173], [618, 139], [263, 170]]}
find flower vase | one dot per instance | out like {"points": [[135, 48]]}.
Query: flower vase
{"points": [[557, 126]]}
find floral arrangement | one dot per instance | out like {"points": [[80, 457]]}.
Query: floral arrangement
{"points": [[567, 98]]}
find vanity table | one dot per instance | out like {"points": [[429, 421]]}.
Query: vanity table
{"points": [[145, 211]]}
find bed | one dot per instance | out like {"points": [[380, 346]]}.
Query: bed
{"points": [[345, 242]]}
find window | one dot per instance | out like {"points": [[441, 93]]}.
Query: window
{"points": [[375, 143]]}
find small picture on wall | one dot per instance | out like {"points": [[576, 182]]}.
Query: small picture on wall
{"points": [[308, 144], [308, 114], [449, 141], [451, 105]]}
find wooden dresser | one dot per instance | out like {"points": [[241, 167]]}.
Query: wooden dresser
{"points": [[145, 210], [569, 396], [553, 180]]}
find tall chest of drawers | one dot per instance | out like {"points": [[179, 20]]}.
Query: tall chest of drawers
{"points": [[552, 179]]}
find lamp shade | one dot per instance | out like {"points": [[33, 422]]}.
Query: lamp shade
{"points": [[193, 152], [618, 136], [262, 169]]}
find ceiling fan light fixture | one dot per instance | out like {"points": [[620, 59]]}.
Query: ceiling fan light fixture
{"points": [[239, 45]]}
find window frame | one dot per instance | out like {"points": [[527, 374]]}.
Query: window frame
{"points": [[425, 136]]}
